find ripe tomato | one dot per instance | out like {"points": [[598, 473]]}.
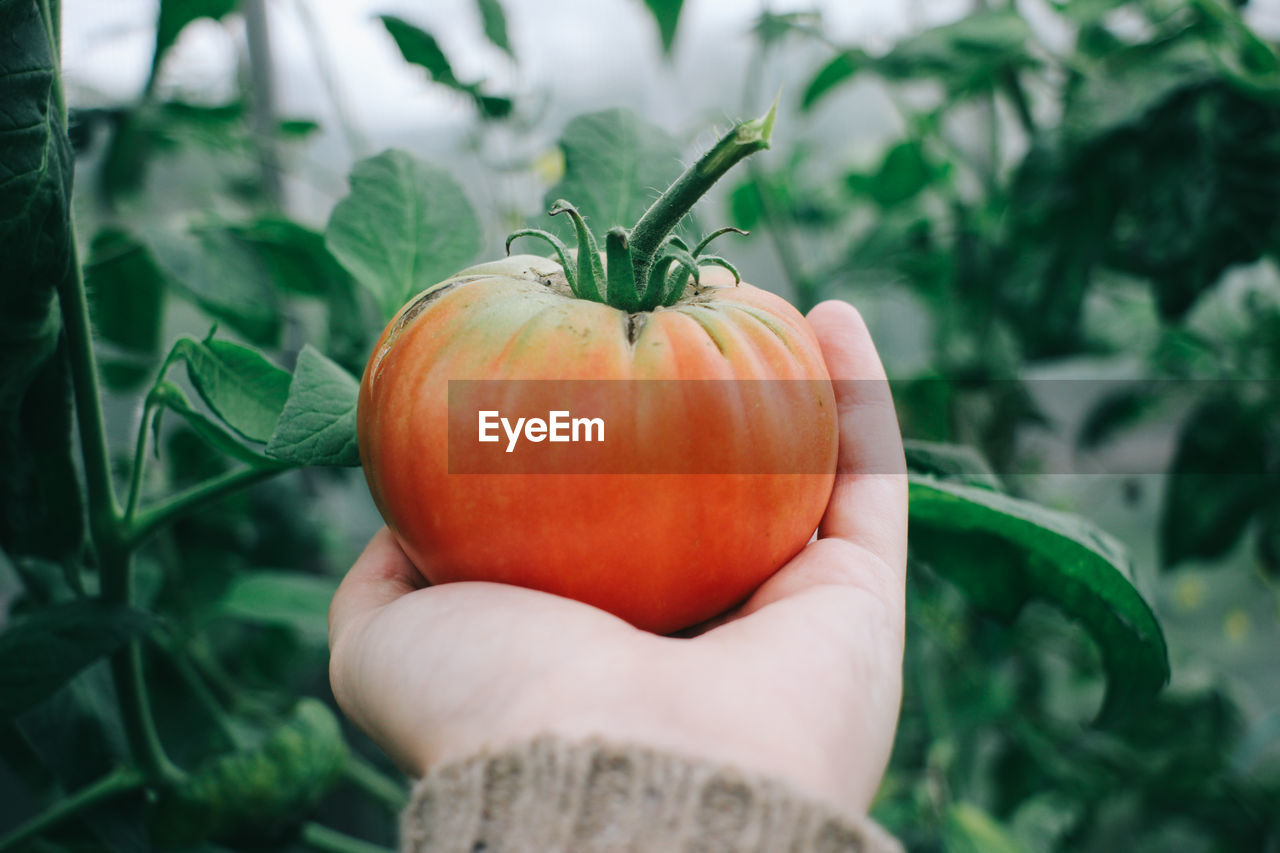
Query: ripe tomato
{"points": [[664, 550]]}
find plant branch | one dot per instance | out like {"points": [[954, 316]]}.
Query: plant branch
{"points": [[149, 520], [331, 841], [122, 780], [375, 783]]}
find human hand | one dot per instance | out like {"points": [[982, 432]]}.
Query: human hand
{"points": [[802, 682]]}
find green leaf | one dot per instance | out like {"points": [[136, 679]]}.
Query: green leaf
{"points": [[224, 278], [318, 424], [290, 599], [419, 47], [951, 462], [172, 397], [126, 295], [667, 15], [615, 166], [405, 226], [1003, 551], [968, 829], [1217, 479], [294, 256], [41, 507], [495, 25], [174, 17], [902, 175], [45, 651], [245, 389], [846, 65]]}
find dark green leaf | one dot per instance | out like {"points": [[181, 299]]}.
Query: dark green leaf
{"points": [[45, 651], [1002, 551], [902, 175], [615, 166], [172, 397], [174, 17], [295, 256], [245, 389], [495, 24], [846, 65], [1218, 479], [41, 509], [126, 295], [953, 462], [1117, 411], [419, 47], [405, 226], [318, 424], [291, 599], [667, 15], [225, 278]]}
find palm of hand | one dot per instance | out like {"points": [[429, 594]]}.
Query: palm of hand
{"points": [[802, 682]]}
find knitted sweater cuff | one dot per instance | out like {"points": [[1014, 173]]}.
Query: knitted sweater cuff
{"points": [[551, 795]]}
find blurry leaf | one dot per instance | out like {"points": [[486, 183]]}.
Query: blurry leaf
{"points": [[968, 829], [1116, 412], [952, 462], [174, 17], [291, 599], [41, 508], [173, 398], [419, 47], [902, 175], [224, 278], [966, 56], [405, 226], [1218, 479], [318, 424], [495, 25], [1002, 551], [126, 295], [241, 386], [45, 651], [295, 256], [299, 128], [667, 14], [615, 166], [771, 27]]}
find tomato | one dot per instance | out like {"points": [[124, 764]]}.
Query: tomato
{"points": [[663, 550]]}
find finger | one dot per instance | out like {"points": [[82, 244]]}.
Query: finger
{"points": [[381, 574], [868, 505]]}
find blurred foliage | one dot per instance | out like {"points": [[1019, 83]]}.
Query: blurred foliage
{"points": [[1118, 187]]}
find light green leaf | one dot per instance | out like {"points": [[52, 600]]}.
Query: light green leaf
{"points": [[172, 397], [1003, 551], [290, 599], [241, 386], [968, 829], [405, 226], [495, 25], [419, 47], [318, 424], [615, 166]]}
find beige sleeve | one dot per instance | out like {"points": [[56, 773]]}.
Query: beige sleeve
{"points": [[556, 796]]}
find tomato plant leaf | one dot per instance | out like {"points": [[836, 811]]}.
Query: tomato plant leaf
{"points": [[245, 389], [420, 48], [615, 166], [968, 829], [667, 15], [318, 424], [292, 599], [45, 651], [174, 17], [953, 462], [1003, 551], [1218, 479], [41, 507], [126, 295], [844, 66], [173, 398], [405, 226], [224, 278], [495, 25]]}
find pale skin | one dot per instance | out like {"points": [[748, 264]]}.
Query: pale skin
{"points": [[801, 683]]}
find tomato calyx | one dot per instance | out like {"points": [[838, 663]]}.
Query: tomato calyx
{"points": [[648, 266]]}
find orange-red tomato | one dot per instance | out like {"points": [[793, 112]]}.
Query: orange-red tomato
{"points": [[661, 550]]}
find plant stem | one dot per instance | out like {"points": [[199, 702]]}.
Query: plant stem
{"points": [[806, 293], [375, 783], [331, 841], [139, 460], [150, 520], [660, 219], [122, 780]]}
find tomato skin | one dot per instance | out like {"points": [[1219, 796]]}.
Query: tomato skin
{"points": [[662, 551]]}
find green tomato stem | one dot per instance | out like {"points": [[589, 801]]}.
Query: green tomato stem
{"points": [[660, 219], [150, 520], [122, 780], [328, 840]]}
